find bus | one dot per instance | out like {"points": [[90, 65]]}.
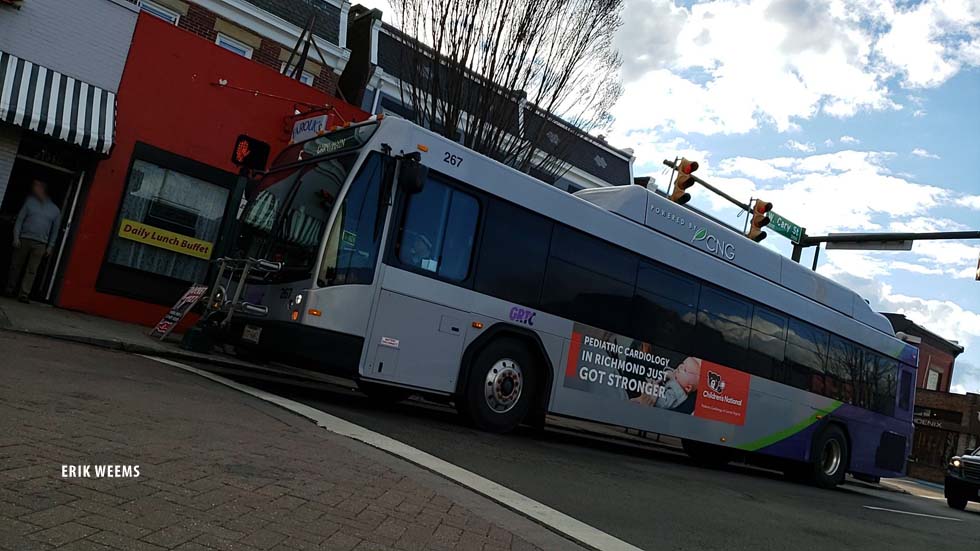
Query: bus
{"points": [[416, 266]]}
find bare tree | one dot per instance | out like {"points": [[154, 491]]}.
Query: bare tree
{"points": [[512, 79]]}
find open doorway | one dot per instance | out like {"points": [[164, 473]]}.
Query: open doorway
{"points": [[61, 187]]}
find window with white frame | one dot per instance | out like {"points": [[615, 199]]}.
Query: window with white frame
{"points": [[157, 10], [233, 45], [306, 78]]}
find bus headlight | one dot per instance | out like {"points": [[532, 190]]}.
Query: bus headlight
{"points": [[298, 300]]}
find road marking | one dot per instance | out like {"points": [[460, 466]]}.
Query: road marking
{"points": [[911, 513], [556, 520]]}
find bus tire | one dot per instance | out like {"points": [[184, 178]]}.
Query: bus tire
{"points": [[383, 394], [501, 386], [707, 455], [956, 502], [830, 457]]}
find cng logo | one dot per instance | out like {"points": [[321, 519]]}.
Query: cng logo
{"points": [[714, 245]]}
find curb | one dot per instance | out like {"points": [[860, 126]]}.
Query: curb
{"points": [[121, 346], [882, 487]]}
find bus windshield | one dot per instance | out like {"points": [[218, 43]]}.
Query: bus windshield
{"points": [[288, 212]]}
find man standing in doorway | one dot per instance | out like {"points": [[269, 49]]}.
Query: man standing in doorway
{"points": [[35, 233]]}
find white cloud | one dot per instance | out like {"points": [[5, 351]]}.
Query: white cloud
{"points": [[966, 378], [970, 201], [799, 146], [850, 140], [919, 152], [733, 66], [919, 113], [930, 42]]}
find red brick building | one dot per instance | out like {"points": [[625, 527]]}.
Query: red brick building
{"points": [[936, 354]]}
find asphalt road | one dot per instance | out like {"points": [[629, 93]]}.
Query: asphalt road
{"points": [[654, 497]]}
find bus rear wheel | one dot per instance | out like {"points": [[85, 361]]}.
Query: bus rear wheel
{"points": [[830, 458], [500, 387]]}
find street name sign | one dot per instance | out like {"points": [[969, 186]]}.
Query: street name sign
{"points": [[785, 227]]}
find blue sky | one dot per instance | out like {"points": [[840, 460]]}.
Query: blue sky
{"points": [[849, 116]]}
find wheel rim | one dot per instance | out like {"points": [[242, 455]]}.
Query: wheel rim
{"points": [[503, 385], [831, 458]]}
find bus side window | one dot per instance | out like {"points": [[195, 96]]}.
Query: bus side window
{"points": [[767, 344], [806, 354], [439, 231], [905, 391], [722, 328], [842, 374], [665, 308], [513, 254]]}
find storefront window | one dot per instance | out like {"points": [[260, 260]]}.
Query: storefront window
{"points": [[168, 224]]}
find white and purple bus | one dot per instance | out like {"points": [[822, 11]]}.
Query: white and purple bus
{"points": [[414, 265]]}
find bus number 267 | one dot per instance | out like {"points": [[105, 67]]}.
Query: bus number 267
{"points": [[452, 159]]}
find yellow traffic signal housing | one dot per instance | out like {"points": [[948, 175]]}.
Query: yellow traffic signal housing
{"points": [[760, 210], [684, 180]]}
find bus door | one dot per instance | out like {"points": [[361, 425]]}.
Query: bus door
{"points": [[413, 341], [418, 328]]}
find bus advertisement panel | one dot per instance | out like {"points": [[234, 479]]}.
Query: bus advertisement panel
{"points": [[622, 368]]}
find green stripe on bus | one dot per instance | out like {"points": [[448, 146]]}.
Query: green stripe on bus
{"points": [[790, 431]]}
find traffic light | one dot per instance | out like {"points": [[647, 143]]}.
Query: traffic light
{"points": [[250, 153], [684, 180], [760, 210]]}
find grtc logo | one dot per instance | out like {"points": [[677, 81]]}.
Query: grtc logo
{"points": [[715, 382], [522, 315]]}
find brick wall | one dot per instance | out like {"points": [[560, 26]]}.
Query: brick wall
{"points": [[202, 22], [199, 21], [935, 359]]}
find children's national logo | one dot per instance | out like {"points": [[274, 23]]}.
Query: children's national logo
{"points": [[724, 394], [715, 382]]}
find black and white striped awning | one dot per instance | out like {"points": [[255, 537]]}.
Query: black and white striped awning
{"points": [[46, 101]]}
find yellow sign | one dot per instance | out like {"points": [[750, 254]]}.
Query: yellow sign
{"points": [[156, 237]]}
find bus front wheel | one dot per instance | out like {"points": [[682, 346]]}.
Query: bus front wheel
{"points": [[500, 387], [830, 458]]}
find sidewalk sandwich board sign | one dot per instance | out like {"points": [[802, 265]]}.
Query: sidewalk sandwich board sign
{"points": [[177, 313]]}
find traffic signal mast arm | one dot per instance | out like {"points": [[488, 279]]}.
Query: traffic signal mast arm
{"points": [[809, 240], [732, 200]]}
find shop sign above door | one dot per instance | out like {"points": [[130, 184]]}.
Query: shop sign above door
{"points": [[305, 129]]}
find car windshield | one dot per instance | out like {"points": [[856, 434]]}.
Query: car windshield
{"points": [[288, 213]]}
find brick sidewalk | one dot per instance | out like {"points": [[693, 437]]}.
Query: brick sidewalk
{"points": [[218, 470]]}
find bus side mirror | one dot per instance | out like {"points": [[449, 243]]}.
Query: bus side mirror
{"points": [[412, 174]]}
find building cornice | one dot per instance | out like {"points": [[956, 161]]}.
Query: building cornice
{"points": [[275, 28]]}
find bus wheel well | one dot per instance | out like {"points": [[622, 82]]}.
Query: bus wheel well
{"points": [[532, 342], [847, 438]]}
